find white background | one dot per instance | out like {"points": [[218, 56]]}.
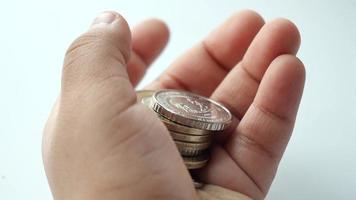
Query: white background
{"points": [[320, 162]]}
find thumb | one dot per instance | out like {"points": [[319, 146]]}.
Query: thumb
{"points": [[95, 63]]}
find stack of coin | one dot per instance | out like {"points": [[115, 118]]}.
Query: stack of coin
{"points": [[191, 119]]}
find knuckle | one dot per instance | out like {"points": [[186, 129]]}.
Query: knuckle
{"points": [[91, 50], [94, 44], [254, 145], [81, 47], [78, 44]]}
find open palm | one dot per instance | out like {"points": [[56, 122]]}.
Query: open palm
{"points": [[251, 68], [245, 64]]}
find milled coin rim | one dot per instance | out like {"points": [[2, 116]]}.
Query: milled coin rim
{"points": [[191, 149], [195, 123], [172, 126], [196, 162], [193, 145], [190, 138], [190, 152]]}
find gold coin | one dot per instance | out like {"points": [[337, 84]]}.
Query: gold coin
{"points": [[145, 97], [172, 126], [190, 138], [196, 162], [191, 149]]}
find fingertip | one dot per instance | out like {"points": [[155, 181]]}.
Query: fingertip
{"points": [[161, 28], [285, 27], [152, 33], [112, 27], [291, 64], [282, 86], [99, 50], [152, 26], [149, 39], [251, 15], [278, 37], [108, 18], [229, 42]]}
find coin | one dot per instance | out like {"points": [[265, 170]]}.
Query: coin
{"points": [[191, 110], [196, 162], [190, 138], [191, 149], [183, 129], [145, 97]]}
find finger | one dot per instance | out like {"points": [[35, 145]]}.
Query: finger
{"points": [[238, 89], [148, 40], [94, 67], [263, 133], [203, 67]]}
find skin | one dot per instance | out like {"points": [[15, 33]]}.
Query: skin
{"points": [[100, 144]]}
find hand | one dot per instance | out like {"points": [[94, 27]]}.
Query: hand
{"points": [[100, 144]]}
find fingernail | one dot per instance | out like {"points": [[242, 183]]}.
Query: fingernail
{"points": [[104, 18]]}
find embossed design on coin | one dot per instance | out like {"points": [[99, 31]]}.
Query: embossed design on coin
{"points": [[191, 110]]}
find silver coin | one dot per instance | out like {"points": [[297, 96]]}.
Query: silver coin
{"points": [[191, 110]]}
